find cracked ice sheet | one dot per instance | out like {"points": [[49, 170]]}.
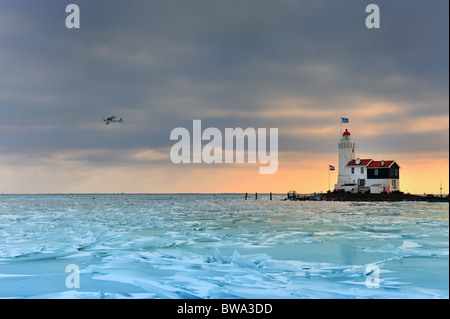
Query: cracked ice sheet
{"points": [[151, 246], [254, 276]]}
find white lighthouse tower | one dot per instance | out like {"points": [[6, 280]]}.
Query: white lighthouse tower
{"points": [[346, 154]]}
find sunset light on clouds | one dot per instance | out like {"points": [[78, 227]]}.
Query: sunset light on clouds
{"points": [[298, 66]]}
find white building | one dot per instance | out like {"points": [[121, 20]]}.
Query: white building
{"points": [[364, 175]]}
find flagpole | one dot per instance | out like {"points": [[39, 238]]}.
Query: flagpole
{"points": [[329, 179]]}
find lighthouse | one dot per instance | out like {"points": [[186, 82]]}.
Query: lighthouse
{"points": [[364, 175], [346, 154]]}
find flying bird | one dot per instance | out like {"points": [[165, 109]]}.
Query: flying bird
{"points": [[112, 119]]}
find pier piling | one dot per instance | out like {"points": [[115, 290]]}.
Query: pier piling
{"points": [[256, 196]]}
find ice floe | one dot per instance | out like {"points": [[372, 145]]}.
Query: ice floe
{"points": [[195, 246]]}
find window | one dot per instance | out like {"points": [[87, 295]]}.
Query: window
{"points": [[362, 170], [353, 170], [375, 172]]}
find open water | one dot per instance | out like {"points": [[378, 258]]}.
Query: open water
{"points": [[206, 246]]}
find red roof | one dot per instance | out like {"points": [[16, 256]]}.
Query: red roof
{"points": [[361, 162], [346, 132], [378, 163]]}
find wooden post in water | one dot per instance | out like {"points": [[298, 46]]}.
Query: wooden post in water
{"points": [[246, 194], [270, 195], [256, 195]]}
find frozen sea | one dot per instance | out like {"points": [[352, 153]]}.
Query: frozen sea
{"points": [[206, 246]]}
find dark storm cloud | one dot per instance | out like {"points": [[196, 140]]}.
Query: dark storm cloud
{"points": [[160, 64]]}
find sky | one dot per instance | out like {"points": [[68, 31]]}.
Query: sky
{"points": [[295, 65]]}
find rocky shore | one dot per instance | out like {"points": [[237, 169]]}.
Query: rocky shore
{"points": [[393, 197]]}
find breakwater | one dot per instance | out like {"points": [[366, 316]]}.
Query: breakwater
{"points": [[392, 197]]}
